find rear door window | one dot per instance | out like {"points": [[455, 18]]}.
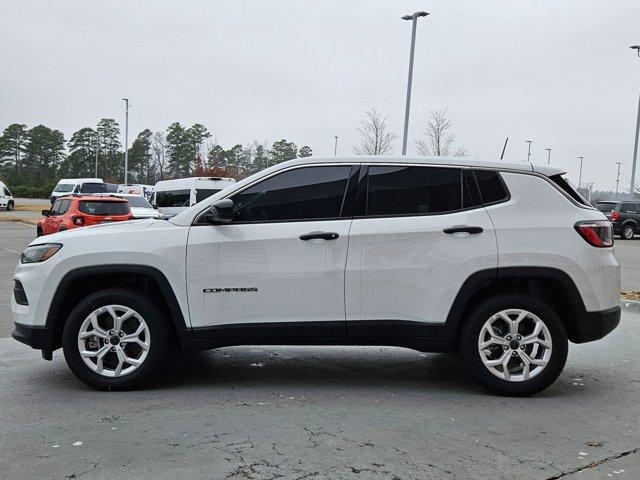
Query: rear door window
{"points": [[628, 207], [406, 190], [104, 208]]}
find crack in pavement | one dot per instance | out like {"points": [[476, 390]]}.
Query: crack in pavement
{"points": [[595, 464]]}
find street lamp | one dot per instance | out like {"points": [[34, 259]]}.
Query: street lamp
{"points": [[529, 151], [580, 177], [635, 145], [126, 139], [414, 19], [548, 155]]}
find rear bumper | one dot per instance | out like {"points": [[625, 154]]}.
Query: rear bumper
{"points": [[40, 338], [596, 325]]}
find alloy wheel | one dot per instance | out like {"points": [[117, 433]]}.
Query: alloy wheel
{"points": [[114, 340], [515, 345]]}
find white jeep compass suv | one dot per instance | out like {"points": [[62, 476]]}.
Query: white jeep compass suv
{"points": [[505, 263]]}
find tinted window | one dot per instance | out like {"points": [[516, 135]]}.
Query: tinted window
{"points": [[413, 190], [173, 198], [104, 208], [203, 193], [7, 192], [568, 189], [491, 187], [628, 208], [304, 193], [605, 206], [93, 188]]}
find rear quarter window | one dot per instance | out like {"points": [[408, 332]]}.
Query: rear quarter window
{"points": [[104, 208], [492, 188], [568, 189]]}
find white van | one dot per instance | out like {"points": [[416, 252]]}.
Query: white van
{"points": [[140, 189], [6, 198], [174, 196], [69, 186]]}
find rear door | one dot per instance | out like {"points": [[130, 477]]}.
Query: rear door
{"points": [[423, 233], [277, 270]]}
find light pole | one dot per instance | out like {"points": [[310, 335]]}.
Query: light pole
{"points": [[529, 151], [580, 177], [414, 19], [635, 145], [126, 140], [548, 155], [335, 146], [617, 178]]}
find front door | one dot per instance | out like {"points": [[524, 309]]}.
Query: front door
{"points": [[422, 234], [277, 270]]}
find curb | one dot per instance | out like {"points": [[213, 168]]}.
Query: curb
{"points": [[24, 221]]}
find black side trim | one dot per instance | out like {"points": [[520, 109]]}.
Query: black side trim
{"points": [[597, 325], [53, 321], [292, 330]]}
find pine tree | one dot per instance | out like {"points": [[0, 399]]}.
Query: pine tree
{"points": [[13, 146], [305, 151], [282, 151]]}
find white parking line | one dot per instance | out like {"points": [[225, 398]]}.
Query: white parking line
{"points": [[9, 250]]}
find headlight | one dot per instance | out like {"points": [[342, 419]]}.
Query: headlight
{"points": [[39, 253]]}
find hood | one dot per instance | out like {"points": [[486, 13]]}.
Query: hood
{"points": [[144, 212], [96, 230]]}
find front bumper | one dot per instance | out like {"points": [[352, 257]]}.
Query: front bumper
{"points": [[596, 325]]}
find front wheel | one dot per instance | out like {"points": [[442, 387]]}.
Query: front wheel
{"points": [[514, 345], [9, 206], [627, 232], [116, 339]]}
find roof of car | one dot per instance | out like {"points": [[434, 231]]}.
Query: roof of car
{"points": [[449, 161]]}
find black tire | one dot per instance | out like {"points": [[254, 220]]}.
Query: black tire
{"points": [[627, 232], [160, 332], [9, 206], [470, 354]]}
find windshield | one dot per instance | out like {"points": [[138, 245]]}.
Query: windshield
{"points": [[64, 187], [605, 207], [203, 193], [173, 198], [137, 202]]}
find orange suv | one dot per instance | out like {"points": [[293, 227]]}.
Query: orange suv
{"points": [[82, 211]]}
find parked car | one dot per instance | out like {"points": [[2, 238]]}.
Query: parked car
{"points": [[145, 191], [68, 186], [140, 207], [175, 196], [504, 263], [82, 211], [6, 198], [624, 215]]}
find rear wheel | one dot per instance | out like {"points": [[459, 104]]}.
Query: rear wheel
{"points": [[116, 339], [627, 232], [514, 345]]}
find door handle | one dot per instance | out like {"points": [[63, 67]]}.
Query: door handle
{"points": [[322, 235], [463, 229]]}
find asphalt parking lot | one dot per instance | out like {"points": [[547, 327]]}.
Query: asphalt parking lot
{"points": [[319, 412]]}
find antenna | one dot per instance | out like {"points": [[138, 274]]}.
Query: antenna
{"points": [[504, 148]]}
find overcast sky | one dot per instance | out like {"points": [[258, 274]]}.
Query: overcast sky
{"points": [[557, 72]]}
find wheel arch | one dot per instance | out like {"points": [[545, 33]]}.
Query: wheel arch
{"points": [[80, 282], [545, 283]]}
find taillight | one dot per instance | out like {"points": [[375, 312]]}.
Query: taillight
{"points": [[78, 221], [598, 233], [615, 216]]}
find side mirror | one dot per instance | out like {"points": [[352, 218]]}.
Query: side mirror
{"points": [[155, 206], [45, 213], [220, 212]]}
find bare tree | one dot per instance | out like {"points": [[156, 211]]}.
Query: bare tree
{"points": [[439, 142], [376, 138], [159, 153]]}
